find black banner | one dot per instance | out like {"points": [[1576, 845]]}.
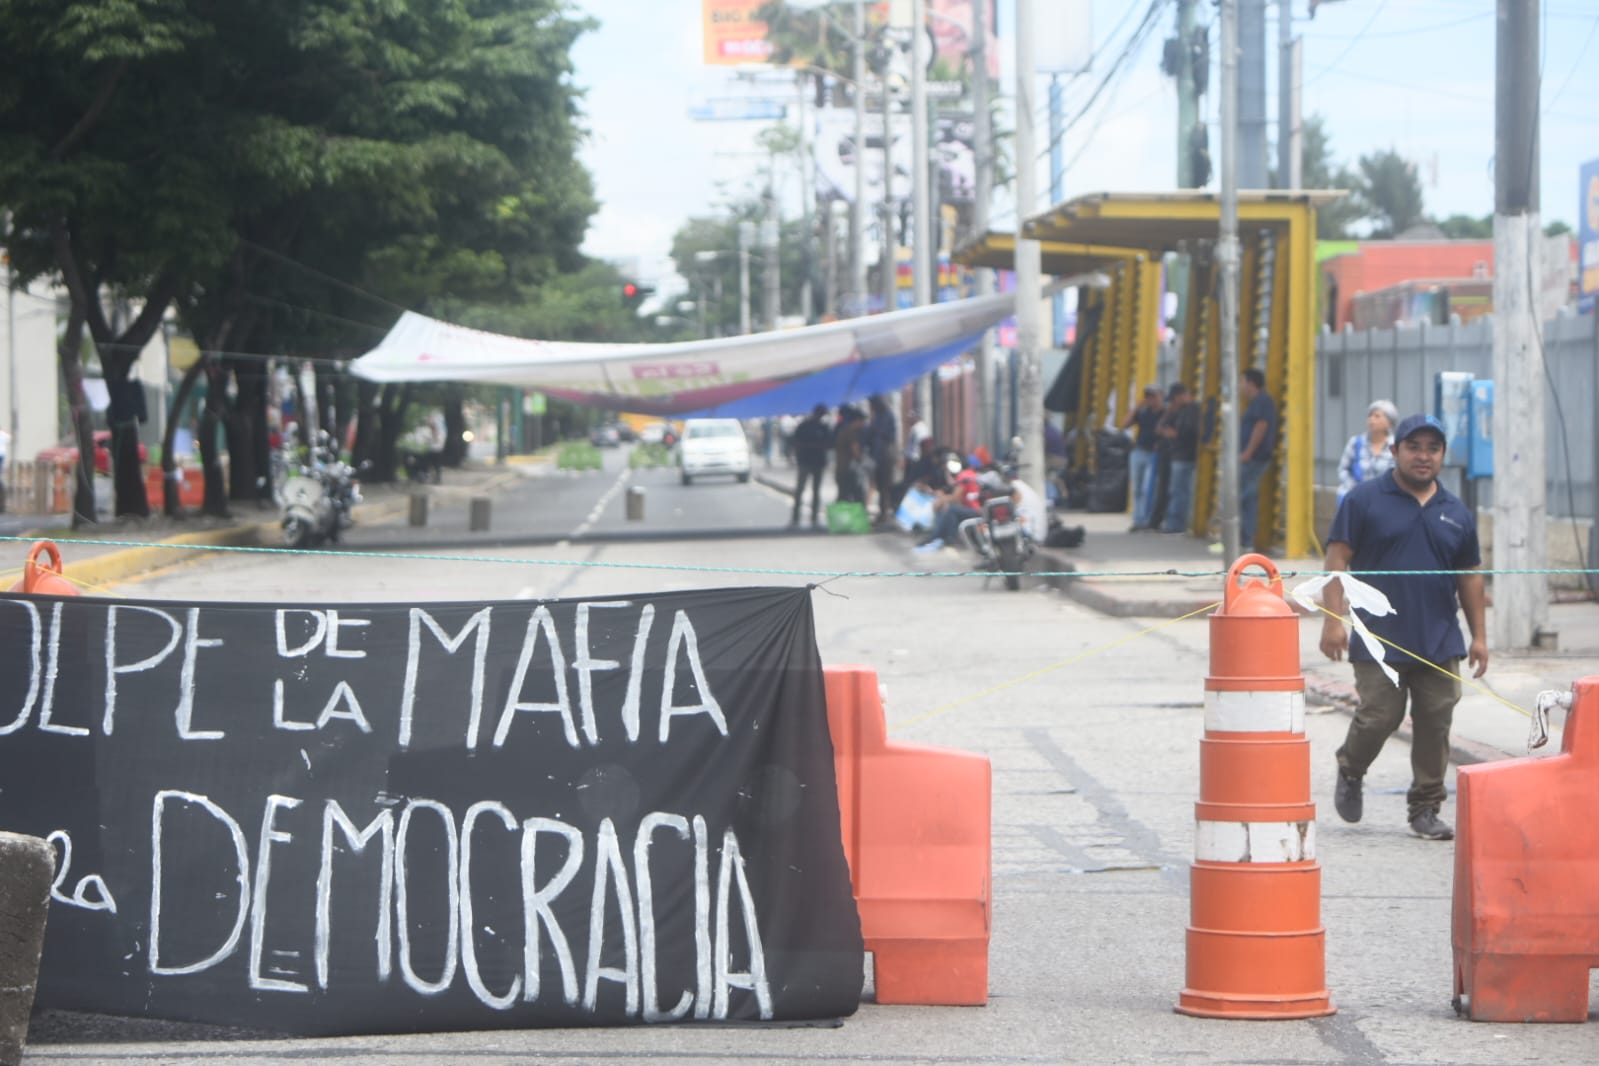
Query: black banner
{"points": [[399, 818]]}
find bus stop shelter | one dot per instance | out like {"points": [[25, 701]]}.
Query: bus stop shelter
{"points": [[1127, 236]]}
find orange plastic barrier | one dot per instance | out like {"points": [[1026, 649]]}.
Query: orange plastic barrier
{"points": [[1256, 948], [191, 487], [1526, 902], [918, 838], [44, 579]]}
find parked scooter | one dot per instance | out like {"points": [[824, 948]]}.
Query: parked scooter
{"points": [[317, 499], [1000, 537]]}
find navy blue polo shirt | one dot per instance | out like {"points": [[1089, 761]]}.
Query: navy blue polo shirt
{"points": [[1388, 530]]}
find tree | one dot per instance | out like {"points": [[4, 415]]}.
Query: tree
{"points": [[103, 192], [1320, 171], [1466, 227], [705, 252], [183, 151], [1389, 192]]}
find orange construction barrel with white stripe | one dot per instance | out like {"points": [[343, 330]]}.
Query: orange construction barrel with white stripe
{"points": [[1256, 947]]}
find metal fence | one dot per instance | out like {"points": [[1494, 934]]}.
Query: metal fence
{"points": [[1355, 368]]}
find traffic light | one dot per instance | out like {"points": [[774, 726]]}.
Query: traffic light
{"points": [[634, 294]]}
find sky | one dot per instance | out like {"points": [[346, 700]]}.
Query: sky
{"points": [[1413, 75]]}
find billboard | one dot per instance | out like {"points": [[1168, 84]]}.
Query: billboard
{"points": [[1588, 235], [732, 34]]}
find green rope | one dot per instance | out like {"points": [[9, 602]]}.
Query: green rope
{"points": [[436, 557]]}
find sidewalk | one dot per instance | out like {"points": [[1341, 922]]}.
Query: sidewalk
{"points": [[1174, 575], [1484, 728], [136, 545]]}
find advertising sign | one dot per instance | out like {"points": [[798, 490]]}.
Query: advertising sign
{"points": [[732, 33], [1588, 235]]}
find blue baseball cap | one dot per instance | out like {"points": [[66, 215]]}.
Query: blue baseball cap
{"points": [[1413, 424]]}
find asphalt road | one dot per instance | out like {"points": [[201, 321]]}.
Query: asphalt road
{"points": [[1094, 741], [551, 506]]}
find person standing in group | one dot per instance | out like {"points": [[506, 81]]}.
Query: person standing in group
{"points": [[1179, 432], [1404, 520], [848, 455], [1257, 438], [916, 432], [1370, 453], [1141, 459], [882, 443], [811, 441]]}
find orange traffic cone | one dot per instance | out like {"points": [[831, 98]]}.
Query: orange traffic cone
{"points": [[1255, 942], [44, 579]]}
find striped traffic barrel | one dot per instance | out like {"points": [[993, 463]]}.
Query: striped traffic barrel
{"points": [[1255, 943]]}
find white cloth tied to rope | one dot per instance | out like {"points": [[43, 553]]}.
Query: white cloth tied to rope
{"points": [[1358, 595]]}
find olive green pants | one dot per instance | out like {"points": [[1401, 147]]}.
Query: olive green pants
{"points": [[1431, 697]]}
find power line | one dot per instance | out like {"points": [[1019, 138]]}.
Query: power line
{"points": [[1133, 44], [1353, 42], [1575, 66], [1400, 33], [329, 278]]}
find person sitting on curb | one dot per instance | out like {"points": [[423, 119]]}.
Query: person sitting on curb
{"points": [[954, 505]]}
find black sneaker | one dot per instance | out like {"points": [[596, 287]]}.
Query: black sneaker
{"points": [[1428, 826], [1347, 798]]}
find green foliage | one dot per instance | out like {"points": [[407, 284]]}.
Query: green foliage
{"points": [[650, 456], [579, 455], [1319, 171], [705, 252], [1464, 227], [1390, 191]]}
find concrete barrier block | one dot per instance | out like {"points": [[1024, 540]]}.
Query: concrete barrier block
{"points": [[27, 866]]}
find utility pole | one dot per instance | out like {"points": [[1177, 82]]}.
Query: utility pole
{"points": [[746, 237], [921, 201], [1521, 601], [1252, 94], [983, 164], [1227, 257], [857, 214], [1290, 143], [1187, 98], [771, 277], [1029, 266], [890, 256], [807, 205], [1057, 190], [923, 256]]}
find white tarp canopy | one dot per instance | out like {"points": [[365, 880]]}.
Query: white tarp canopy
{"points": [[762, 374]]}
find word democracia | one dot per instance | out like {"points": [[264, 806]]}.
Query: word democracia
{"points": [[397, 884]]}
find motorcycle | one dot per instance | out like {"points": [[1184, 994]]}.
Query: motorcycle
{"points": [[318, 499], [1000, 538]]}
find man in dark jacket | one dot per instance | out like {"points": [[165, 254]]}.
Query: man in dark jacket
{"points": [[812, 441]]}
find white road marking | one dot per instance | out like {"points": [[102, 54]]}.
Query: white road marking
{"points": [[605, 499]]}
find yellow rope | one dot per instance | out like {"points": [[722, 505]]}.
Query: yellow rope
{"points": [[1484, 689], [1054, 666]]}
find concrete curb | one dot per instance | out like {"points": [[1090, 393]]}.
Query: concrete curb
{"points": [[112, 567], [108, 569]]}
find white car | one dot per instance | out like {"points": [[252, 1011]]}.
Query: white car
{"points": [[713, 446]]}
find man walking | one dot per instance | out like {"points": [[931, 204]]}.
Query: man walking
{"points": [[811, 441], [1257, 436], [1405, 520]]}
